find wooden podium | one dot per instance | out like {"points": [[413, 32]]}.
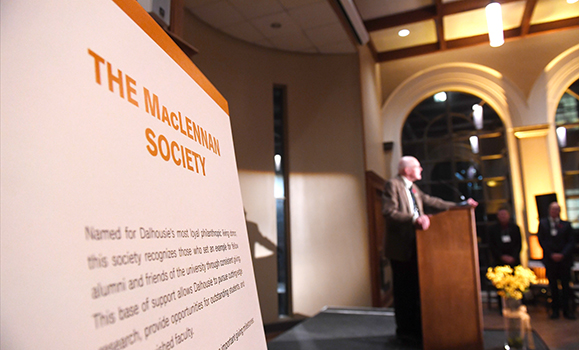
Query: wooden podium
{"points": [[449, 282]]}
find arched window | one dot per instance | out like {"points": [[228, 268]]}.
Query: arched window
{"points": [[461, 155], [567, 123]]}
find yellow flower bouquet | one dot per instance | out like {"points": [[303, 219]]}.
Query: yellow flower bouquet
{"points": [[511, 283]]}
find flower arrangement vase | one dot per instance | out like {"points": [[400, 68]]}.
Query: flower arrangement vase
{"points": [[514, 326]]}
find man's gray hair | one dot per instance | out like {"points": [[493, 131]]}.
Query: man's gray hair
{"points": [[405, 162]]}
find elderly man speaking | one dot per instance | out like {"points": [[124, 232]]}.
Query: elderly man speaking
{"points": [[403, 210]]}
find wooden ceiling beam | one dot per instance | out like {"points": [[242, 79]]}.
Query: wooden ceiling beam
{"points": [[527, 15], [401, 19], [426, 13], [474, 40], [455, 7], [439, 25], [553, 26], [408, 52]]}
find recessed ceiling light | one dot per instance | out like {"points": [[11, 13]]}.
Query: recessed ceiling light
{"points": [[403, 32], [572, 1]]}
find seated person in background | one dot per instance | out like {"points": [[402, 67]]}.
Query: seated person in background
{"points": [[505, 240], [557, 239]]}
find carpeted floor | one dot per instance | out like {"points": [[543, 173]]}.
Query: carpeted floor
{"points": [[361, 329]]}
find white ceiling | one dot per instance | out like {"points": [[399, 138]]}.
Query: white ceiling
{"points": [[309, 26], [313, 26]]}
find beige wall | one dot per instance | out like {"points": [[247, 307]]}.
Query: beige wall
{"points": [[330, 263], [376, 159]]}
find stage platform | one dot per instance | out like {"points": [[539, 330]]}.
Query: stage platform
{"points": [[361, 329]]}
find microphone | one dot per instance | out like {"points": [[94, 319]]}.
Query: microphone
{"points": [[455, 190]]}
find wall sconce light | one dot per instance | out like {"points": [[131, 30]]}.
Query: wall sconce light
{"points": [[562, 136], [474, 144], [477, 116], [495, 24]]}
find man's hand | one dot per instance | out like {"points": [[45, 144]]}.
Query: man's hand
{"points": [[423, 222], [472, 202]]}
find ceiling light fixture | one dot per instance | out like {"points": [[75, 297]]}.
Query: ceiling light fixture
{"points": [[572, 1], [562, 136], [495, 24], [403, 33], [473, 144], [477, 116]]}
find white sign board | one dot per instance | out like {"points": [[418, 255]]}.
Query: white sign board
{"points": [[121, 215]]}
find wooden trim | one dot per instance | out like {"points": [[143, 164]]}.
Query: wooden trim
{"points": [[418, 15], [376, 231], [177, 15], [149, 26]]}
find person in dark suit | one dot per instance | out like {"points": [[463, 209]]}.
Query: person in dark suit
{"points": [[505, 243], [403, 210], [557, 239], [505, 240]]}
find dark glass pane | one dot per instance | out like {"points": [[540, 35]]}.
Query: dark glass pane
{"points": [[571, 183], [573, 211], [495, 167], [496, 190], [567, 112], [438, 149], [472, 189], [572, 136], [441, 171], [480, 211], [466, 171], [570, 161], [492, 145], [430, 107], [414, 127], [415, 149], [491, 120], [462, 103], [463, 150], [444, 190], [462, 125], [438, 127], [492, 217]]}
